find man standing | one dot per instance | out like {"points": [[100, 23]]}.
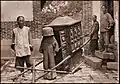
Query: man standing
{"points": [[49, 47], [106, 23], [21, 41], [94, 36]]}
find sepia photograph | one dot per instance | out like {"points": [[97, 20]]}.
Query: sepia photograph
{"points": [[52, 41]]}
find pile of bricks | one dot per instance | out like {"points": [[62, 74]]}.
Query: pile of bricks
{"points": [[113, 49], [106, 60]]}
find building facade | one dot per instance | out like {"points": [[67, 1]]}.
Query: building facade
{"points": [[89, 9]]}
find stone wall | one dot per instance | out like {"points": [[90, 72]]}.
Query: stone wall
{"points": [[87, 16], [7, 27]]}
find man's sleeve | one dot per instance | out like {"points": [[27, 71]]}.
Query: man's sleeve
{"points": [[55, 45], [110, 19], [41, 47], [13, 41], [95, 28], [30, 37], [13, 37]]}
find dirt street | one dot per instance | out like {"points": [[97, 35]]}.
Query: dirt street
{"points": [[85, 74]]}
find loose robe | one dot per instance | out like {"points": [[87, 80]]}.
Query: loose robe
{"points": [[49, 47]]}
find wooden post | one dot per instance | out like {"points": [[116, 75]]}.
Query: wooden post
{"points": [[33, 74], [27, 70], [5, 65]]}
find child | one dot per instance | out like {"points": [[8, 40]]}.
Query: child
{"points": [[21, 44], [49, 47]]}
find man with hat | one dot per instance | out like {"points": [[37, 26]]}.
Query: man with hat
{"points": [[49, 47]]}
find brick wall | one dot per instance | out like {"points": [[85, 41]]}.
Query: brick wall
{"points": [[36, 19], [87, 19], [35, 25], [7, 27], [87, 16]]}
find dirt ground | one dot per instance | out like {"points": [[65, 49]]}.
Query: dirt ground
{"points": [[85, 74]]}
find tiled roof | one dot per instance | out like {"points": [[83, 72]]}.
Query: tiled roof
{"points": [[60, 21]]}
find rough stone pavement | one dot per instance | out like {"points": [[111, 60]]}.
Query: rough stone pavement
{"points": [[85, 74]]}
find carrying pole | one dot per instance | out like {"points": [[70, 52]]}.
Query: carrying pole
{"points": [[76, 68], [85, 43], [27, 70], [19, 67], [68, 57]]}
